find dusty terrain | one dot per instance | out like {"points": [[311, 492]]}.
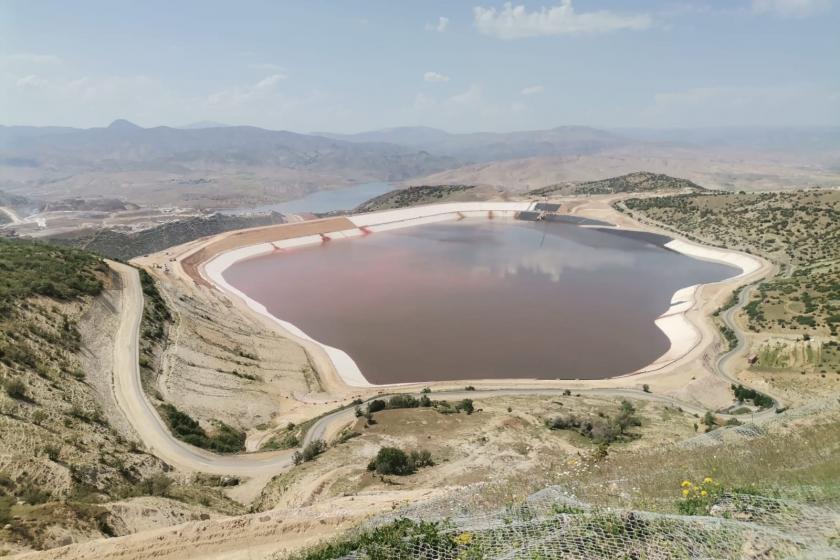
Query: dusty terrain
{"points": [[728, 170], [278, 380], [505, 438]]}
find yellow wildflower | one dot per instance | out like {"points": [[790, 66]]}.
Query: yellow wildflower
{"points": [[704, 493], [686, 483], [685, 492], [464, 538], [707, 480]]}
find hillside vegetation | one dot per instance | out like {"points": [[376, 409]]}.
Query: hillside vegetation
{"points": [[31, 269], [412, 196], [65, 453], [800, 231], [639, 182], [126, 246]]}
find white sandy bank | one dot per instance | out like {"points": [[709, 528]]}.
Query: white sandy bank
{"points": [[344, 365], [681, 332]]}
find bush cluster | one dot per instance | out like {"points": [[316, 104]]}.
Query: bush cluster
{"points": [[395, 461], [312, 450], [744, 394], [33, 269], [600, 429], [184, 427]]}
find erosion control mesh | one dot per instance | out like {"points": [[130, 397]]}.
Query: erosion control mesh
{"points": [[550, 524]]}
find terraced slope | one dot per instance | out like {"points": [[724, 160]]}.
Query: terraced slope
{"points": [[66, 453]]}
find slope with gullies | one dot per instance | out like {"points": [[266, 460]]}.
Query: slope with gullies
{"points": [[71, 468]]}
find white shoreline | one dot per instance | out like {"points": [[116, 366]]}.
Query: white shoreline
{"points": [[683, 334]]}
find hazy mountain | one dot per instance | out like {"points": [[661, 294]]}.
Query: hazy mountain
{"points": [[796, 138], [126, 145], [492, 146], [200, 167], [401, 135], [204, 124]]}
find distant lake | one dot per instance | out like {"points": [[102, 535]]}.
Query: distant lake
{"points": [[481, 298], [322, 201]]}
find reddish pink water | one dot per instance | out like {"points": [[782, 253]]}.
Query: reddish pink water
{"points": [[480, 299]]}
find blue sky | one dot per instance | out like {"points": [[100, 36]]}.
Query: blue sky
{"points": [[462, 66]]}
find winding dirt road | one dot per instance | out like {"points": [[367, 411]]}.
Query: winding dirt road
{"points": [[144, 418], [156, 436], [15, 219]]}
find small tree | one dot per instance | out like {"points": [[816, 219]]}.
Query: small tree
{"points": [[422, 458], [466, 405], [391, 460], [312, 450], [710, 421], [376, 406]]}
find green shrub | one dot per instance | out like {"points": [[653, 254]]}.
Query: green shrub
{"points": [[395, 461], [376, 406], [391, 460], [403, 401], [28, 269], [400, 539], [312, 450], [226, 439], [744, 394], [466, 405], [288, 441], [601, 429], [155, 485], [17, 390]]}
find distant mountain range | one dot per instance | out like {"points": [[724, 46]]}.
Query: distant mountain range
{"points": [[212, 165], [126, 145], [199, 167], [493, 146], [480, 147]]}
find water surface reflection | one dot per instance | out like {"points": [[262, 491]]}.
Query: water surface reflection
{"points": [[480, 299]]}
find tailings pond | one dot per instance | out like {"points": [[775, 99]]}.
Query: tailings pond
{"points": [[481, 299]]}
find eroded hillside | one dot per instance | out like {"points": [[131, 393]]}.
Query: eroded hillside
{"points": [[71, 468]]}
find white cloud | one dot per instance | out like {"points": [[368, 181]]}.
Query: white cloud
{"points": [[790, 8], [435, 77], [31, 81], [266, 67], [241, 95], [532, 90], [440, 26], [515, 22], [29, 59]]}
